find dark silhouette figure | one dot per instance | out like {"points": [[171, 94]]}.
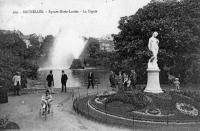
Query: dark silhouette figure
{"points": [[91, 80], [50, 81], [64, 79], [112, 79], [133, 78]]}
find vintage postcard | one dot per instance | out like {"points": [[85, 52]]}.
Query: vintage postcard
{"points": [[99, 65]]}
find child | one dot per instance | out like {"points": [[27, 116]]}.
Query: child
{"points": [[46, 100], [177, 83]]}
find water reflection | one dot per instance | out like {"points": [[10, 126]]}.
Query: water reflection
{"points": [[77, 78]]}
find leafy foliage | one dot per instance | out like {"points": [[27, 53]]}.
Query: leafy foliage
{"points": [[137, 99], [93, 55], [14, 56], [178, 25], [47, 45], [93, 48], [76, 64]]}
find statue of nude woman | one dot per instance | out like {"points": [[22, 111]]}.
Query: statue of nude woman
{"points": [[153, 47]]}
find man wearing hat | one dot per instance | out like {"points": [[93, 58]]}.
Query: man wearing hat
{"points": [[64, 79], [91, 80], [17, 83], [50, 81]]}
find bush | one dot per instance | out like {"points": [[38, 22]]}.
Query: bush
{"points": [[76, 64], [138, 99], [13, 58], [191, 94]]}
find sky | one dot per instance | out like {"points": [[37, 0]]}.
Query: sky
{"points": [[103, 22], [68, 28]]}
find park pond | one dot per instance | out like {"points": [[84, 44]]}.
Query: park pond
{"points": [[76, 78]]}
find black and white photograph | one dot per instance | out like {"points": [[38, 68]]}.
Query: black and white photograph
{"points": [[100, 65]]}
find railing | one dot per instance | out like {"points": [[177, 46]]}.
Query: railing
{"points": [[80, 93]]}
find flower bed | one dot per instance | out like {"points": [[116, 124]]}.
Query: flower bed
{"points": [[156, 109], [154, 112], [187, 109]]}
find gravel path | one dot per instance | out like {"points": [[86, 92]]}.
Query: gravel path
{"points": [[24, 110]]}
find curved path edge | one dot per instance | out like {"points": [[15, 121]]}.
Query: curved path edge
{"points": [[139, 121]]}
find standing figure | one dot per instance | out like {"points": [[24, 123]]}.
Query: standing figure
{"points": [[17, 83], [120, 81], [23, 80], [125, 81], [112, 79], [153, 47], [133, 79], [91, 80], [50, 81], [177, 83], [64, 79]]}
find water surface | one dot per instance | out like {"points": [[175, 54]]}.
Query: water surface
{"points": [[77, 78]]}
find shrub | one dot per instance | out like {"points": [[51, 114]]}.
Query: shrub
{"points": [[138, 100]]}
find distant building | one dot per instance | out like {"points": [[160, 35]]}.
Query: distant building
{"points": [[106, 44], [28, 43], [40, 38], [106, 47]]}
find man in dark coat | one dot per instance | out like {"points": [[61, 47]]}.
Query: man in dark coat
{"points": [[91, 80], [112, 79], [64, 79], [50, 81], [133, 78]]}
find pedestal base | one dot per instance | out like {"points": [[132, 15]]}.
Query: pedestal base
{"points": [[153, 81]]}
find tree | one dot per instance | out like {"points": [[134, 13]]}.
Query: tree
{"points": [[13, 52], [34, 50], [12, 42], [93, 47], [178, 25], [47, 45]]}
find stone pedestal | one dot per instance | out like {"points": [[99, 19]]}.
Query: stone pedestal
{"points": [[153, 81]]}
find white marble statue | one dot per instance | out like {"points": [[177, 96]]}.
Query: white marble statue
{"points": [[153, 79], [153, 47]]}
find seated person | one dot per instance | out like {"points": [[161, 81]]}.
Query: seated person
{"points": [[46, 100]]}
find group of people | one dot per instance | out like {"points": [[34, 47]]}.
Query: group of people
{"points": [[123, 81], [50, 81], [47, 99], [19, 81]]}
